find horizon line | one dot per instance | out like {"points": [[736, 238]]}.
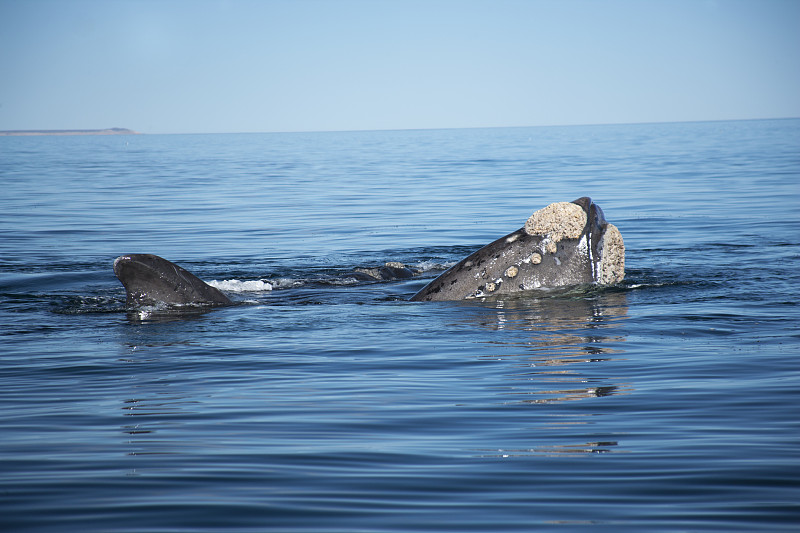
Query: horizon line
{"points": [[477, 127], [123, 131]]}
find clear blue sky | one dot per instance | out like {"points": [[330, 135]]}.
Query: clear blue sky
{"points": [[175, 66]]}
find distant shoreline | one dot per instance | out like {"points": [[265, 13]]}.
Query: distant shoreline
{"points": [[107, 131]]}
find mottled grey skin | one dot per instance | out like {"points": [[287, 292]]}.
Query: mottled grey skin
{"points": [[152, 280], [388, 272], [522, 261]]}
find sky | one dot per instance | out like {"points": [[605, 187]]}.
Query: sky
{"points": [[218, 66]]}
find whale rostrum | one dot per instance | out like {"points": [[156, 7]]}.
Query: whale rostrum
{"points": [[563, 244]]}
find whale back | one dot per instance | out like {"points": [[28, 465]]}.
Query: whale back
{"points": [[152, 280]]}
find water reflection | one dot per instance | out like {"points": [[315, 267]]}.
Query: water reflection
{"points": [[559, 450], [147, 410], [166, 314], [554, 311], [556, 329], [558, 350], [550, 368]]}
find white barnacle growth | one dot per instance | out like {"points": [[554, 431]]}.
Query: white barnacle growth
{"points": [[561, 220], [612, 257], [535, 258]]}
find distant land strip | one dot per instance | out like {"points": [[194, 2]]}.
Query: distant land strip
{"points": [[108, 131]]}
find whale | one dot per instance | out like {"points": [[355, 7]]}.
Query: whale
{"points": [[150, 280], [563, 244]]}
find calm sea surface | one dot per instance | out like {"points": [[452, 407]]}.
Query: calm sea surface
{"points": [[669, 403]]}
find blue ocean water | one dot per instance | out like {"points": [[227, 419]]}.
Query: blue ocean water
{"points": [[668, 403]]}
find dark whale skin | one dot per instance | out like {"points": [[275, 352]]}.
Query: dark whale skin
{"points": [[526, 260], [152, 280]]}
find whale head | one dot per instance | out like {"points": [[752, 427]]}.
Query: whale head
{"points": [[563, 244]]}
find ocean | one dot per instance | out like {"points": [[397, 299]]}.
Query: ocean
{"points": [[323, 404]]}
